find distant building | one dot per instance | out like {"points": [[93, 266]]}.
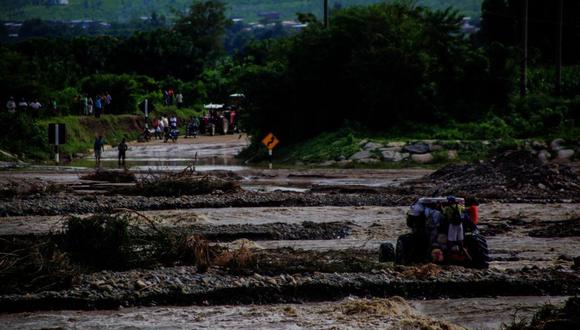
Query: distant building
{"points": [[58, 2]]}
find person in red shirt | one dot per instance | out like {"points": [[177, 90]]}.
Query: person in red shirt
{"points": [[472, 209]]}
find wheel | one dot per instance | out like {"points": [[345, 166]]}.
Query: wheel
{"points": [[386, 252], [476, 246], [408, 249]]}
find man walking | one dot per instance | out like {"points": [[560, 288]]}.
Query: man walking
{"points": [[122, 150], [99, 147]]}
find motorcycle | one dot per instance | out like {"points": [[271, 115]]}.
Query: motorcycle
{"points": [[172, 134], [145, 136], [191, 130]]}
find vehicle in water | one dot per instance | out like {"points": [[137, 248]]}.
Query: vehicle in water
{"points": [[443, 230]]}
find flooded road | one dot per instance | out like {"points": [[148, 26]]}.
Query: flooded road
{"points": [[472, 313], [506, 225]]}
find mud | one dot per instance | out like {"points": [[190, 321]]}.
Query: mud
{"points": [[317, 242], [351, 313]]}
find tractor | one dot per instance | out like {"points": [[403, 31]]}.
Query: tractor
{"points": [[429, 220]]}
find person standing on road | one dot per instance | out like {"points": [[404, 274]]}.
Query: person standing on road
{"points": [[165, 122], [122, 150], [173, 121], [161, 130], [99, 147]]}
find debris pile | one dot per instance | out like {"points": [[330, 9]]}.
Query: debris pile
{"points": [[182, 183], [124, 176], [515, 174]]}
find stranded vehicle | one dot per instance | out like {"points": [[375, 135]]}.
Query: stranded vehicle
{"points": [[443, 230]]}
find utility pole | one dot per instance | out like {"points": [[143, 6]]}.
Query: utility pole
{"points": [[559, 48], [326, 18], [524, 63]]}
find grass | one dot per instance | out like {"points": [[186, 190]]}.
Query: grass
{"points": [[344, 143], [473, 141], [81, 131]]}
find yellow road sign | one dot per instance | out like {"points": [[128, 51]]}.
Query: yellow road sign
{"points": [[270, 141]]}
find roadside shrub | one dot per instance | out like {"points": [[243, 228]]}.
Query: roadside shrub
{"points": [[124, 241], [22, 137], [537, 115], [492, 127], [32, 265], [100, 241]]}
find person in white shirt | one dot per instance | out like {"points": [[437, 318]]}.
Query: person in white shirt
{"points": [[35, 105], [11, 105]]}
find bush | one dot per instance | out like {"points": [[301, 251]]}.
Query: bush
{"points": [[122, 88], [100, 241], [31, 265], [22, 137], [537, 115], [121, 241]]}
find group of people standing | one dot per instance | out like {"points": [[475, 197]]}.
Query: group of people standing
{"points": [[23, 106], [95, 106], [169, 96], [162, 125]]}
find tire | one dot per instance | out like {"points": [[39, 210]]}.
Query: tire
{"points": [[476, 245], [407, 250], [386, 252]]}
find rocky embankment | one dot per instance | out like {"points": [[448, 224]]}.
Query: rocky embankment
{"points": [[437, 151]]}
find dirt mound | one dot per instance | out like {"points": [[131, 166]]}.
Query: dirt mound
{"points": [[514, 174]]}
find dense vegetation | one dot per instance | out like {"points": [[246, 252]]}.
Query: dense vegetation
{"points": [[389, 67], [392, 69], [128, 10]]}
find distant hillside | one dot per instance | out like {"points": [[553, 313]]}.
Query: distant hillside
{"points": [[126, 10]]}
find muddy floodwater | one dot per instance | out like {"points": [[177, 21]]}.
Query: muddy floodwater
{"points": [[491, 314], [317, 234]]}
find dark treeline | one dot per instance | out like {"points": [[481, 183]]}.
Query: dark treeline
{"points": [[401, 67], [129, 68], [385, 67]]}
